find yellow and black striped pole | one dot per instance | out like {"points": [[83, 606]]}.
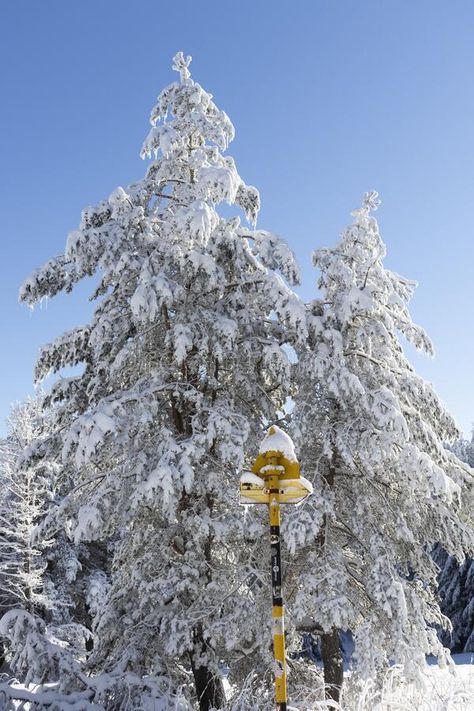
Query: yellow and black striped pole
{"points": [[275, 479], [272, 479]]}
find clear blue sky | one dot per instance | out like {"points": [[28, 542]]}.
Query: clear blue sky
{"points": [[329, 98]]}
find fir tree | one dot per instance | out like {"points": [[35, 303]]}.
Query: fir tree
{"points": [[371, 435], [44, 582], [25, 499], [183, 361]]}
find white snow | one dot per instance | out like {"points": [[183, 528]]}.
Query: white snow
{"points": [[250, 478], [278, 441], [438, 690], [272, 468], [449, 689], [306, 483]]}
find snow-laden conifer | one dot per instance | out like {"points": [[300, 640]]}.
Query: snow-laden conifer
{"points": [[371, 435], [25, 497], [44, 582], [183, 360]]}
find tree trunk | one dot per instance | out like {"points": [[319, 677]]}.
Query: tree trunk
{"points": [[330, 647], [209, 687], [208, 684], [333, 664]]}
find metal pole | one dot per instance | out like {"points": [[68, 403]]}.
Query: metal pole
{"points": [[275, 479], [272, 479]]}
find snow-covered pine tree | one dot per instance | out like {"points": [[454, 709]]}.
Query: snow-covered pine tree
{"points": [[370, 434], [456, 581], [183, 362], [43, 583], [25, 497]]}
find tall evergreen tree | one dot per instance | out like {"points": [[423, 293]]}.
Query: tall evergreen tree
{"points": [[46, 584], [183, 361], [371, 435], [25, 496]]}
